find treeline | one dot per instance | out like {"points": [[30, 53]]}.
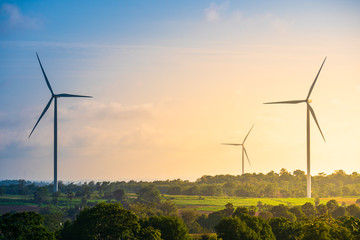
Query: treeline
{"points": [[272, 184], [112, 221]]}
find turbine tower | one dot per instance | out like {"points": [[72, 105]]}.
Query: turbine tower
{"points": [[53, 97], [309, 110], [243, 149]]}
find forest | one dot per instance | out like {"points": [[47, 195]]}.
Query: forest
{"points": [[145, 210], [271, 185], [112, 221]]}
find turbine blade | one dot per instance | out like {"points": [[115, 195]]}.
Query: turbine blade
{"points": [[42, 114], [247, 156], [71, 95], [248, 133], [313, 114], [46, 79], [287, 102], [312, 86], [233, 144]]}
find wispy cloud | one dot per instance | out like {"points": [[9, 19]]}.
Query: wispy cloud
{"points": [[12, 18], [212, 13], [229, 17], [112, 110]]}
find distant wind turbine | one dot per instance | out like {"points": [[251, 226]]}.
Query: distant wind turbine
{"points": [[309, 110], [53, 97], [243, 149]]}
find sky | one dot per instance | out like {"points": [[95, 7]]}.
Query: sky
{"points": [[171, 81]]}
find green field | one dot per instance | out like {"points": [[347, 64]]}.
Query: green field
{"points": [[63, 201], [214, 203], [204, 203]]}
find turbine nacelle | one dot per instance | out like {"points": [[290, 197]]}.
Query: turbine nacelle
{"points": [[309, 101]]}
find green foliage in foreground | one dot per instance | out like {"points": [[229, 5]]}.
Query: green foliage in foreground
{"points": [[112, 221], [104, 221], [24, 226]]}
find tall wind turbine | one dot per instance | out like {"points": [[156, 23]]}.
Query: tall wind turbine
{"points": [[53, 97], [243, 149], [309, 110]]}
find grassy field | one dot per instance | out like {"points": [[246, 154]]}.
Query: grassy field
{"points": [[217, 203], [204, 203]]}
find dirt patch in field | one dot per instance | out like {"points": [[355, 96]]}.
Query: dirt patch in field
{"points": [[18, 208]]}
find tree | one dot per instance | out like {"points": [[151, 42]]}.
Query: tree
{"points": [[316, 229], [230, 228], [282, 211], [260, 205], [174, 190], [240, 210], [229, 209], [321, 209], [252, 210], [339, 212], [119, 194], [143, 210], [189, 216], [297, 211], [265, 215], [40, 195], [193, 190], [150, 233], [168, 208], [211, 220], [353, 225], [149, 194], [53, 217], [332, 205], [284, 229], [211, 190], [172, 228], [324, 228], [270, 190], [228, 188], [24, 225], [353, 210], [83, 202], [308, 209], [259, 225], [299, 173], [55, 198], [21, 187], [207, 236], [104, 221], [70, 195]]}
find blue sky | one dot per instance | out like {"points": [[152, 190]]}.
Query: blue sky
{"points": [[170, 81]]}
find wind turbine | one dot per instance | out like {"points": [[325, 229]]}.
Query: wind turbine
{"points": [[53, 97], [243, 149], [309, 110]]}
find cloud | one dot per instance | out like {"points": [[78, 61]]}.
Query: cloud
{"points": [[13, 128], [106, 111], [12, 18], [212, 13]]}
